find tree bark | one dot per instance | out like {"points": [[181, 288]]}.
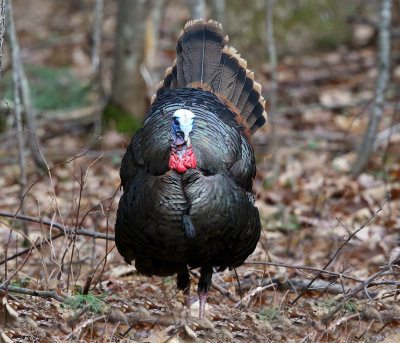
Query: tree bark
{"points": [[98, 21], [197, 9], [128, 88], [2, 28], [273, 82], [24, 91], [153, 23], [15, 57], [218, 11], [381, 84]]}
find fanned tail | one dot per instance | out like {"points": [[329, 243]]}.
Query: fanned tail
{"points": [[204, 60]]}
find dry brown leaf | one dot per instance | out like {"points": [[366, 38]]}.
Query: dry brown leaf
{"points": [[336, 98], [4, 338]]}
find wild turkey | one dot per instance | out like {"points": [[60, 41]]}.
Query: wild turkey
{"points": [[187, 175]]}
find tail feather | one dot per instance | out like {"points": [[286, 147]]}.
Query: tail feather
{"points": [[244, 95], [240, 81], [227, 80], [204, 60], [200, 48]]}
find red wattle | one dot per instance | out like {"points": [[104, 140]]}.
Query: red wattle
{"points": [[181, 165]]}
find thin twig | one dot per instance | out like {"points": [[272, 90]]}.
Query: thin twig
{"points": [[219, 288], [342, 246], [36, 246], [286, 265], [107, 227], [358, 289], [84, 324], [5, 283], [81, 231], [252, 293], [77, 315]]}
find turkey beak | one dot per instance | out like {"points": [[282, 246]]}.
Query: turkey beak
{"points": [[186, 132]]}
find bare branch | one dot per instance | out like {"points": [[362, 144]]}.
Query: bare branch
{"points": [[41, 294], [358, 289], [70, 231], [342, 246], [36, 246], [217, 287], [321, 271], [19, 267]]}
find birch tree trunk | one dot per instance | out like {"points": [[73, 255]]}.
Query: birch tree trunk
{"points": [[15, 57], [273, 82], [2, 28], [25, 93], [381, 84], [128, 92]]}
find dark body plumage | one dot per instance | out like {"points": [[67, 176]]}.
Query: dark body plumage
{"points": [[204, 217]]}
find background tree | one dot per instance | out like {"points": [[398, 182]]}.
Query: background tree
{"points": [[153, 23], [24, 98], [128, 101], [273, 82], [2, 27], [197, 9], [218, 11], [381, 84]]}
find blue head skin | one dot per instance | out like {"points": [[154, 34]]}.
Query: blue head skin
{"points": [[182, 126]]}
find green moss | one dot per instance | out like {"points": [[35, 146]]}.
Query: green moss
{"points": [[269, 315], [123, 121], [300, 26], [51, 88], [24, 282]]}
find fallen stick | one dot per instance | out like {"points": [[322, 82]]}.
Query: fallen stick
{"points": [[41, 294], [70, 231]]}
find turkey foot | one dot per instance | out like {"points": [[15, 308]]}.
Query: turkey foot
{"points": [[203, 300]]}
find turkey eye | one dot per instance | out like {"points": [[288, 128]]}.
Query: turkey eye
{"points": [[176, 122]]}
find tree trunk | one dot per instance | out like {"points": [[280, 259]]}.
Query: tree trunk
{"points": [[16, 75], [128, 92], [381, 84], [273, 82], [25, 92], [197, 9], [218, 11], [153, 23], [2, 28]]}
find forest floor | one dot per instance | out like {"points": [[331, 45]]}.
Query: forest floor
{"points": [[319, 224]]}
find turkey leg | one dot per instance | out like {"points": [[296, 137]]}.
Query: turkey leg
{"points": [[184, 285], [203, 288]]}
